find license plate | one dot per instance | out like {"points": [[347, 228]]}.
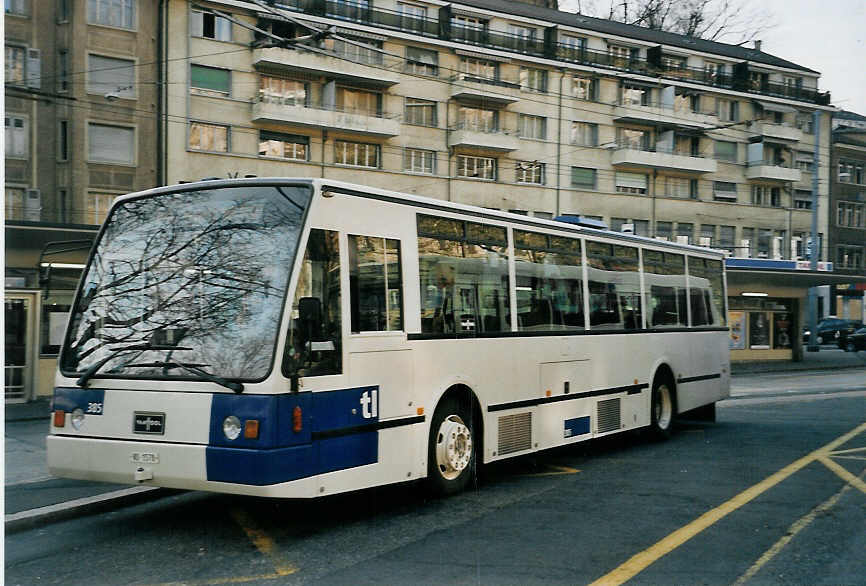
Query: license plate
{"points": [[144, 458], [148, 423]]}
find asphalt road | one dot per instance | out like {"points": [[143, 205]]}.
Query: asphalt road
{"points": [[772, 493]]}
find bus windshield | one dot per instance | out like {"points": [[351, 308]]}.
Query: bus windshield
{"points": [[188, 280]]}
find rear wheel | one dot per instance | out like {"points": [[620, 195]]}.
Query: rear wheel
{"points": [[452, 447], [662, 415]]}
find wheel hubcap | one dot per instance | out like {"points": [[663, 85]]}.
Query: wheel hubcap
{"points": [[453, 447], [663, 407]]}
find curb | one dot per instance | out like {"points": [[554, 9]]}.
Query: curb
{"points": [[16, 522]]}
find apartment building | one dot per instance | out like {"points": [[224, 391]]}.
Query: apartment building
{"points": [[507, 106], [847, 234], [80, 92]]}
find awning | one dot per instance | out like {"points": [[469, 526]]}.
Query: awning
{"points": [[773, 107]]}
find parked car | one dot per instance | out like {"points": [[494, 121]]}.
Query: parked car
{"points": [[829, 329], [853, 341]]}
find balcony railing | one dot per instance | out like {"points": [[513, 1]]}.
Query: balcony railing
{"points": [[483, 37]]}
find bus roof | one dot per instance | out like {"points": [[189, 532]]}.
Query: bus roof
{"points": [[430, 203]]}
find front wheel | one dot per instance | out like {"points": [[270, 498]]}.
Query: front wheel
{"points": [[662, 415], [452, 447]]}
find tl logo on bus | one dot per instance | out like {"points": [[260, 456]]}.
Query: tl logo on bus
{"points": [[370, 404]]}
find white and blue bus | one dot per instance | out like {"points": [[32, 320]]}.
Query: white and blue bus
{"points": [[303, 337]]}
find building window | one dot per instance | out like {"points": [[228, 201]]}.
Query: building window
{"points": [[468, 28], [98, 205], [726, 151], [679, 187], [529, 172], [803, 199], [572, 48], [63, 70], [111, 77], [17, 137], [419, 161], [724, 191], [110, 144], [213, 81], [671, 62], [119, 13], [533, 79], [358, 154], [635, 95], [476, 167], [532, 126], [850, 215], [422, 61], [276, 90], [208, 25], [420, 112], [631, 182], [664, 230], [726, 237], [16, 65], [478, 119], [621, 56], [713, 71], [63, 11], [63, 140], [584, 133], [850, 173], [631, 138], [479, 68], [412, 16], [284, 146], [583, 178], [728, 110], [803, 121], [685, 232], [360, 102], [849, 257], [584, 88], [805, 161], [365, 51], [708, 234], [208, 137], [18, 7], [523, 37], [766, 196]]}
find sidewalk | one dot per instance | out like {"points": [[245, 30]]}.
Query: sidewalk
{"points": [[828, 358]]}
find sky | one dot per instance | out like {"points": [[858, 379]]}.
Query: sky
{"points": [[828, 36]]}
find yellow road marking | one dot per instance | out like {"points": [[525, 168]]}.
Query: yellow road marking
{"points": [[216, 581], [844, 474], [263, 542], [862, 458], [642, 560], [793, 530], [839, 452], [556, 470]]}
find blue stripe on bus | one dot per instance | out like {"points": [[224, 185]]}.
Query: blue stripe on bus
{"points": [[68, 399], [340, 431]]}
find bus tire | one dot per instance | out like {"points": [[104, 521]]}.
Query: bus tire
{"points": [[662, 409], [452, 447]]}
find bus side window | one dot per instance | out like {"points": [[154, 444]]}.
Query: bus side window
{"points": [[375, 284], [314, 345]]}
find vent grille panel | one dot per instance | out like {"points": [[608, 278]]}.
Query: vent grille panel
{"points": [[608, 415], [515, 433]]}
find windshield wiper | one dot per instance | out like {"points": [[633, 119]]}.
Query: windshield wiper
{"points": [[194, 368], [90, 372]]}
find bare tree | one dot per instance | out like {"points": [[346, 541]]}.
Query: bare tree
{"points": [[730, 21]]}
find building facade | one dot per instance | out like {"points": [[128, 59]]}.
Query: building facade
{"points": [[80, 96], [847, 235]]}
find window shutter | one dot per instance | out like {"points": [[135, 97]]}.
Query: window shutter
{"points": [[111, 144], [210, 78], [34, 68], [636, 180], [111, 76]]}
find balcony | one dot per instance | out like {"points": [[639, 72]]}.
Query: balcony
{"points": [[779, 132], [658, 115], [768, 170], [478, 90], [632, 156], [279, 59], [471, 137], [300, 115]]}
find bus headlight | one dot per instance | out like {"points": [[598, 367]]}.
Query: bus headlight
{"points": [[77, 418], [231, 427]]}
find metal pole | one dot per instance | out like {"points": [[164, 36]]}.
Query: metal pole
{"points": [[813, 249]]}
